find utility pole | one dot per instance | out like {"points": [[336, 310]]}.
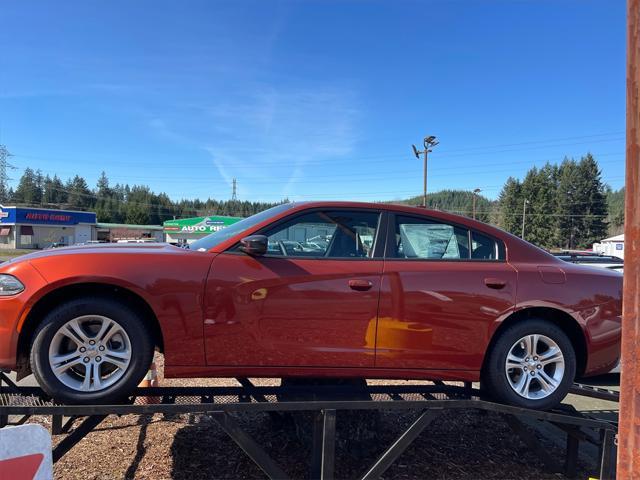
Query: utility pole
{"points": [[475, 196], [524, 215], [429, 142], [234, 195], [233, 207], [4, 178], [629, 417]]}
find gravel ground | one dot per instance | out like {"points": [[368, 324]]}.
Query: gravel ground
{"points": [[457, 445]]}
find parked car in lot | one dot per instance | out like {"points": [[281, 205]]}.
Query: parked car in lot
{"points": [[55, 245], [592, 259], [427, 295]]}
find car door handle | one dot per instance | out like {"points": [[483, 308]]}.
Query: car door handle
{"points": [[495, 283], [360, 285]]}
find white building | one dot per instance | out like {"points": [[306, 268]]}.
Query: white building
{"points": [[611, 246], [22, 227]]}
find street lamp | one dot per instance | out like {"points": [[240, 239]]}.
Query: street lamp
{"points": [[429, 142]]}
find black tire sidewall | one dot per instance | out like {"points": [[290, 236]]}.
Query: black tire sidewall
{"points": [[141, 350], [496, 379]]}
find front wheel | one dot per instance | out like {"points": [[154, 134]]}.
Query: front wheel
{"points": [[91, 350], [532, 364]]}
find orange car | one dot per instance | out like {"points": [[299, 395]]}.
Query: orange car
{"points": [[323, 289]]}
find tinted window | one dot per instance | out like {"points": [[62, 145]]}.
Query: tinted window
{"points": [[421, 238], [332, 234], [220, 236], [483, 247]]}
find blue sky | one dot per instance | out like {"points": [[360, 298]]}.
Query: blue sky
{"points": [[310, 99]]}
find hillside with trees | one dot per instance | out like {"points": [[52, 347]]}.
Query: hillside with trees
{"points": [[567, 204], [456, 201], [120, 203]]}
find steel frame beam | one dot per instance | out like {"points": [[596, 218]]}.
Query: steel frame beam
{"points": [[608, 457], [81, 431], [532, 443], [398, 447], [253, 450], [323, 451]]}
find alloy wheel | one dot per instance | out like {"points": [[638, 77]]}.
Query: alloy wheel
{"points": [[535, 366], [90, 353]]}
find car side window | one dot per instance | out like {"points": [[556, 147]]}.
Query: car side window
{"points": [[330, 234], [429, 239], [483, 247]]}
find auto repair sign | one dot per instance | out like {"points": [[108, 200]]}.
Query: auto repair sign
{"points": [[199, 225], [25, 453]]}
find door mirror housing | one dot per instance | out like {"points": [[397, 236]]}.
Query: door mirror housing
{"points": [[254, 245]]}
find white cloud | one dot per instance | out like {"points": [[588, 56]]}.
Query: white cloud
{"points": [[278, 131]]}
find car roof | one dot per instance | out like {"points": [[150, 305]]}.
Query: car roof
{"points": [[409, 209], [517, 249]]}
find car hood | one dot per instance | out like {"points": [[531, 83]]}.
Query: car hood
{"points": [[100, 249]]}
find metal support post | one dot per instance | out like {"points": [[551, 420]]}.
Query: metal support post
{"points": [[324, 445]]}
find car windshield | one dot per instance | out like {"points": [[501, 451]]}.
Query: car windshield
{"points": [[210, 241]]}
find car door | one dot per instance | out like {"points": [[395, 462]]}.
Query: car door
{"points": [[443, 287], [310, 301]]}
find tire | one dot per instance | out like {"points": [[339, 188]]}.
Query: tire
{"points": [[120, 359], [501, 383]]}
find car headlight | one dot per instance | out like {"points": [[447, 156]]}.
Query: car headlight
{"points": [[10, 285]]}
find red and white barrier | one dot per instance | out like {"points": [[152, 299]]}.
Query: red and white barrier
{"points": [[25, 453]]}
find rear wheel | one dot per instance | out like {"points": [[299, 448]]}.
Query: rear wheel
{"points": [[532, 364], [91, 350]]}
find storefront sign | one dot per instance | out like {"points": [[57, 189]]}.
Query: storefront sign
{"points": [[199, 225]]}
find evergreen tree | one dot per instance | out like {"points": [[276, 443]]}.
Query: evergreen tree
{"points": [[104, 199], [79, 196], [102, 187], [29, 190], [615, 202], [59, 193], [136, 214], [591, 192], [47, 192], [568, 205], [539, 188], [39, 181], [510, 206]]}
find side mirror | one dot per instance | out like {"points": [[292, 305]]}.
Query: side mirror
{"points": [[254, 245]]}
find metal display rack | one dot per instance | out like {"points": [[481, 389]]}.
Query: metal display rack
{"points": [[18, 403]]}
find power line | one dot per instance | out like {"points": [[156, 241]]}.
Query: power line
{"points": [[439, 172], [478, 150]]}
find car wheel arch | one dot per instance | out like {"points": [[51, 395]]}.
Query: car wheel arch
{"points": [[567, 323], [72, 292]]}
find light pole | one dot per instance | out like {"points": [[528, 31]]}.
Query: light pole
{"points": [[524, 215], [475, 196], [429, 142]]}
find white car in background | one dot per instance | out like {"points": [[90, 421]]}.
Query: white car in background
{"points": [[592, 259]]}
